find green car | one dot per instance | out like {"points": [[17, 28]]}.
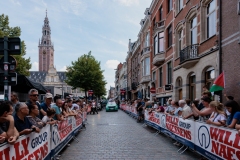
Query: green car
{"points": [[111, 106]]}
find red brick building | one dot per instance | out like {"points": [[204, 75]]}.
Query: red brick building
{"points": [[231, 47], [196, 47]]}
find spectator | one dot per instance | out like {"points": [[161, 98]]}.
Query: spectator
{"points": [[14, 100], [48, 119], [205, 112], [188, 102], [32, 117], [47, 102], [58, 116], [170, 108], [75, 105], [178, 108], [196, 117], [21, 121], [7, 129], [160, 108], [186, 108], [139, 109], [33, 100], [204, 88], [218, 116], [234, 109]]}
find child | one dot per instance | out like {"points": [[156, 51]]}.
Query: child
{"points": [[49, 117]]}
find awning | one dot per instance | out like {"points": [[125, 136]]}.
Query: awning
{"points": [[24, 84]]}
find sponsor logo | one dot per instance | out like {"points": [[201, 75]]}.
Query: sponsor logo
{"points": [[204, 137]]}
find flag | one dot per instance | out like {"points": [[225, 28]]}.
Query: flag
{"points": [[219, 83]]}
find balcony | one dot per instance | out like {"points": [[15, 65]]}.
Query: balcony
{"points": [[159, 26], [145, 79], [145, 53], [189, 56], [158, 59]]}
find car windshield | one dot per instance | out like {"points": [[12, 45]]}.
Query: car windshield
{"points": [[111, 103]]}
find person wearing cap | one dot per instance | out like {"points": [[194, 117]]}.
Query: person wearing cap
{"points": [[205, 112], [47, 102]]}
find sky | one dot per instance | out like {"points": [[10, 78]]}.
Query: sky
{"points": [[103, 27]]}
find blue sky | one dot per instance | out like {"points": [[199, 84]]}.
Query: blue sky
{"points": [[79, 26]]}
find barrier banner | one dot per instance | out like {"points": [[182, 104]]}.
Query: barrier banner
{"points": [[152, 119], [217, 142], [84, 116], [179, 129], [32, 146], [61, 134]]}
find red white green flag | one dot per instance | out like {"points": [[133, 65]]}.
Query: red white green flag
{"points": [[219, 83]]}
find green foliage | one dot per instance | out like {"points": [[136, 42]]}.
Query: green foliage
{"points": [[23, 64], [86, 73]]}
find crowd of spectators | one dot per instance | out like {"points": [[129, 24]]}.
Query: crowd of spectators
{"points": [[19, 118], [205, 109]]}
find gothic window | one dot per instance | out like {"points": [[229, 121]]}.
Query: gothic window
{"points": [[45, 32], [44, 42], [52, 79]]}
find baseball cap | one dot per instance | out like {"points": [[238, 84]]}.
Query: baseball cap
{"points": [[48, 95]]}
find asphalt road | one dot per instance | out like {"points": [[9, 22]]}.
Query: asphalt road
{"points": [[115, 135]]}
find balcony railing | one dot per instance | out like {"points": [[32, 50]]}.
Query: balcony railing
{"points": [[159, 24], [146, 49], [145, 79], [188, 53]]}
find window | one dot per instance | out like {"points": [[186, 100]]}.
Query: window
{"points": [[211, 19], [147, 40], [143, 68], [160, 77], [169, 72], [194, 31], [169, 5], [192, 86], [160, 42], [45, 32], [180, 5], [154, 22], [147, 66], [209, 77], [154, 76], [52, 79], [44, 42], [169, 36], [160, 13], [155, 45], [180, 41]]}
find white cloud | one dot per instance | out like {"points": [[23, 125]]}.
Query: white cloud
{"points": [[112, 64], [76, 7], [15, 2], [128, 2], [64, 68], [34, 66]]}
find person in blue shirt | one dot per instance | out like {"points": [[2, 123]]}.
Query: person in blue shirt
{"points": [[47, 102], [58, 116], [234, 109], [21, 121]]}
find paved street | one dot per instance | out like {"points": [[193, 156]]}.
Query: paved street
{"points": [[115, 135]]}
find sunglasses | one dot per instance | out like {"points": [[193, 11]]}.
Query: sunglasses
{"points": [[34, 95]]}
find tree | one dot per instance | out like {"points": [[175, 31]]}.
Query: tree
{"points": [[86, 73], [23, 64]]}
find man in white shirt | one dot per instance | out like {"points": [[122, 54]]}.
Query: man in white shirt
{"points": [[186, 109]]}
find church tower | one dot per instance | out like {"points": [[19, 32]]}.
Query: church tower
{"points": [[45, 47]]}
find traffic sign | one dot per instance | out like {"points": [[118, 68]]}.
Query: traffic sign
{"points": [[153, 90], [14, 46], [12, 78], [12, 63]]}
